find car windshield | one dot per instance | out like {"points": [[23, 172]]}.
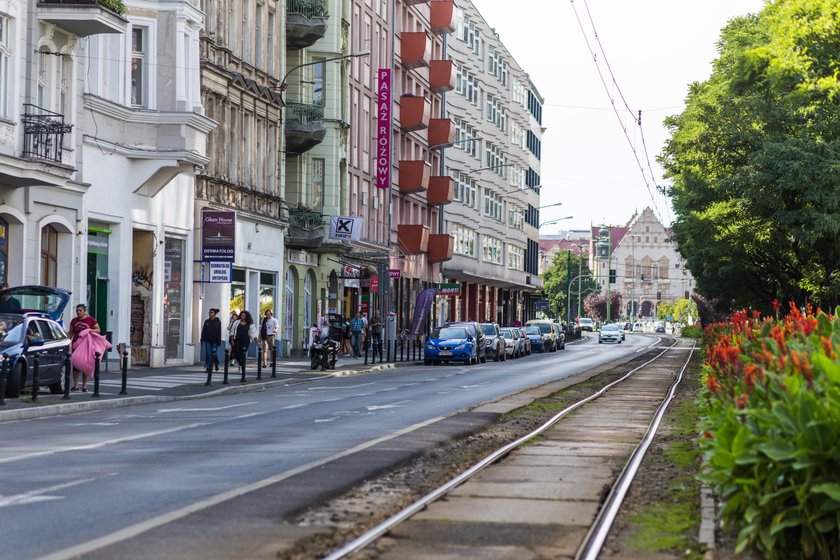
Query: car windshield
{"points": [[450, 332], [488, 329], [11, 328], [544, 327], [611, 328], [585, 321], [507, 333], [532, 330]]}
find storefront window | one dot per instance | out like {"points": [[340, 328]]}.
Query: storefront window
{"points": [[267, 282], [237, 290], [49, 256], [173, 300]]}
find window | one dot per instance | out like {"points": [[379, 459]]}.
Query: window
{"points": [[493, 205], [43, 72], [466, 137], [516, 216], [138, 67], [497, 67], [465, 190], [464, 239], [5, 62], [318, 182], [534, 144], [535, 107], [49, 256], [466, 83], [496, 161], [515, 257], [470, 35], [496, 113], [319, 83], [65, 85], [491, 249]]}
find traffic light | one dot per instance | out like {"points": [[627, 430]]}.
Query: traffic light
{"points": [[612, 276], [658, 296]]}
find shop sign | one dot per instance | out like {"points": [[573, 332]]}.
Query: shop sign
{"points": [[218, 236], [449, 289], [346, 227], [220, 272], [350, 271], [394, 273], [383, 128], [98, 244], [374, 284], [364, 282]]}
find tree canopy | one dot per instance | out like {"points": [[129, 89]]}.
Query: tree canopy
{"points": [[556, 282], [754, 160]]}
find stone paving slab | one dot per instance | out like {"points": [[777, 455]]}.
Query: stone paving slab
{"points": [[512, 471], [507, 510], [578, 489]]}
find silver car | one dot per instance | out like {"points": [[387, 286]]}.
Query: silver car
{"points": [[609, 333]]}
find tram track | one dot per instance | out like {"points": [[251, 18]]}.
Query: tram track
{"points": [[658, 379]]}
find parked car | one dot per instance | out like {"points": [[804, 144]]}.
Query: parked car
{"points": [[536, 337], [628, 327], [511, 342], [638, 326], [549, 335], [559, 336], [494, 342], [29, 327], [476, 332], [609, 333], [448, 344], [525, 342], [659, 328], [586, 324], [620, 330]]}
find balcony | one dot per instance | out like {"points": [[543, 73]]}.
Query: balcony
{"points": [[43, 133], [83, 17], [442, 75], [414, 176], [414, 113], [441, 190], [441, 247], [306, 22], [305, 229], [415, 49], [305, 127], [441, 133], [413, 239], [442, 17]]}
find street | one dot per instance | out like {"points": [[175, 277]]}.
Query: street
{"points": [[97, 479]]}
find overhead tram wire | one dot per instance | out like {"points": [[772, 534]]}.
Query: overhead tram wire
{"points": [[612, 100]]}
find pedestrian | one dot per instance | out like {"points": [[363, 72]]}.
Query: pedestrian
{"points": [[81, 322], [346, 348], [375, 333], [231, 329], [8, 303], [211, 336], [246, 331], [356, 327], [268, 334]]}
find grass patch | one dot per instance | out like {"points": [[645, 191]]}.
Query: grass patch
{"points": [[663, 527]]}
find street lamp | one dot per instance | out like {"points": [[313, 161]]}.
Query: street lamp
{"points": [[550, 205], [549, 222], [284, 83]]}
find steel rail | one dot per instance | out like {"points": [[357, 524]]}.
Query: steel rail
{"points": [[599, 530], [376, 532]]}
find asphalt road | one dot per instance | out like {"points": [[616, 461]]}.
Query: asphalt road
{"points": [[124, 483]]}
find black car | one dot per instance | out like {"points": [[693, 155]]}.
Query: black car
{"points": [[29, 328]]}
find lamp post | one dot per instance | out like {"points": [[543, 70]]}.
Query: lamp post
{"points": [[604, 253], [549, 222], [284, 83]]}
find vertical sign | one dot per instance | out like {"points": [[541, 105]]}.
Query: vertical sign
{"points": [[383, 129], [218, 236]]}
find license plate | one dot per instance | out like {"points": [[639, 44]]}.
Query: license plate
{"points": [[445, 353]]}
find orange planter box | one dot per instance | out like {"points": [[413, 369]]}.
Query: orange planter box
{"points": [[414, 112], [441, 133], [442, 75], [441, 190], [413, 239], [441, 247], [442, 16], [414, 175], [415, 49]]}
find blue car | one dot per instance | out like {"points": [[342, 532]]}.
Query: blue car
{"points": [[536, 337], [449, 344]]}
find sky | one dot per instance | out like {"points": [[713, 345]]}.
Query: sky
{"points": [[655, 49]]}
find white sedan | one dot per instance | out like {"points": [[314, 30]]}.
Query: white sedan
{"points": [[610, 333]]}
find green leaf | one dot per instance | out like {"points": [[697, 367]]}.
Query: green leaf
{"points": [[778, 451], [830, 489]]}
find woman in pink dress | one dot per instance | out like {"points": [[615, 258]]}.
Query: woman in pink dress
{"points": [[81, 322]]}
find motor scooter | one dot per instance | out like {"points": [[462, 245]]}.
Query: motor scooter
{"points": [[323, 354]]}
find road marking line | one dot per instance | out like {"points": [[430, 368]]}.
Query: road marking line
{"points": [[39, 495], [204, 409], [149, 524]]}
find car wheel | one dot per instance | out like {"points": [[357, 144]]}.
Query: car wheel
{"points": [[600, 341], [16, 381]]}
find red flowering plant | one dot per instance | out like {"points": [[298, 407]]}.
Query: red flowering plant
{"points": [[771, 430]]}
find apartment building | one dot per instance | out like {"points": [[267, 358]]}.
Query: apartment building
{"points": [[495, 163]]}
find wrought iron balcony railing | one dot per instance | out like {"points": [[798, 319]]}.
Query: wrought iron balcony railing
{"points": [[305, 219], [43, 133], [304, 112], [307, 8]]}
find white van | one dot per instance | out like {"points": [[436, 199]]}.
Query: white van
{"points": [[638, 326]]}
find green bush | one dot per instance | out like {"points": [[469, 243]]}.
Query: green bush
{"points": [[692, 331], [114, 5], [771, 432]]}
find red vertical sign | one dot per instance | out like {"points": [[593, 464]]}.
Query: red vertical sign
{"points": [[383, 129], [374, 284]]}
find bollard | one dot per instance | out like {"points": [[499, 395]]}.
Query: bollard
{"points": [[388, 349], [36, 366], [4, 373], [366, 354], [209, 373], [227, 365], [259, 362], [244, 357], [67, 369], [96, 358], [124, 368], [274, 361], [402, 350]]}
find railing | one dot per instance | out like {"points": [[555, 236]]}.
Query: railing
{"points": [[114, 5], [43, 133], [305, 219], [304, 112], [307, 8]]}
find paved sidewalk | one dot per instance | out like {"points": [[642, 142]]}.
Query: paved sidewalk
{"points": [[146, 385]]}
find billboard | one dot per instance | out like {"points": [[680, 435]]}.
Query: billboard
{"points": [[218, 236]]}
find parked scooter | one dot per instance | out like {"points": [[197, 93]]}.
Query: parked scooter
{"points": [[323, 354]]}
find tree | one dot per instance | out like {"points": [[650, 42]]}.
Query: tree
{"points": [[685, 308], [664, 310], [595, 306], [753, 160], [556, 282]]}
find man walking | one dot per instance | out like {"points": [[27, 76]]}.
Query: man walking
{"points": [[211, 336], [268, 335], [356, 326], [375, 334]]}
